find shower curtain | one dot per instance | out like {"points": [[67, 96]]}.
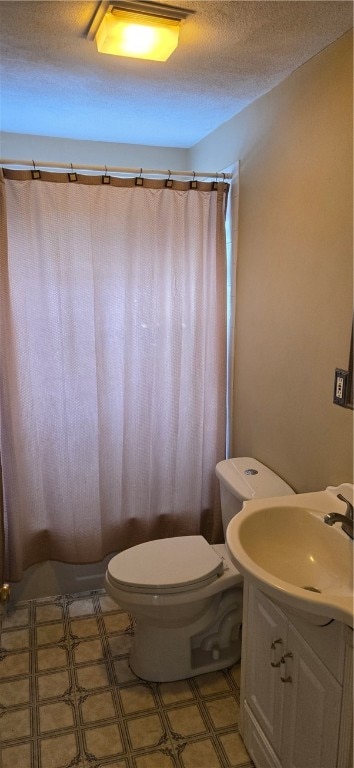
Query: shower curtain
{"points": [[113, 364]]}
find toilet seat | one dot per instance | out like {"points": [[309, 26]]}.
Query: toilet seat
{"points": [[177, 564]]}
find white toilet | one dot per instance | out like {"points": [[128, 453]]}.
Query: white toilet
{"points": [[186, 594]]}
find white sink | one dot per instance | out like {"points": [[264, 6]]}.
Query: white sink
{"points": [[286, 549]]}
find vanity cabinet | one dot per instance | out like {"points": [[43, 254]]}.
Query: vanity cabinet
{"points": [[295, 700]]}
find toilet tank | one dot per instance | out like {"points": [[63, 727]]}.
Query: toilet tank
{"points": [[242, 479]]}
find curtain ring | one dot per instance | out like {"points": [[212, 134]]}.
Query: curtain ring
{"points": [[105, 179], [169, 182], [72, 175], [139, 181], [194, 183], [35, 173]]}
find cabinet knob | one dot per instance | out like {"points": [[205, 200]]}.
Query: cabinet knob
{"points": [[273, 647], [283, 676]]}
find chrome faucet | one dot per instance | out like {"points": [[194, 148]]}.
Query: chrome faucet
{"points": [[346, 519]]}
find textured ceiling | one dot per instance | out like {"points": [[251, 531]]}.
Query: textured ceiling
{"points": [[55, 83]]}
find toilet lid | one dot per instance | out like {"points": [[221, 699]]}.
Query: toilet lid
{"points": [[166, 564]]}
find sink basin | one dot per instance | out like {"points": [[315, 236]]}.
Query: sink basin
{"points": [[285, 548]]}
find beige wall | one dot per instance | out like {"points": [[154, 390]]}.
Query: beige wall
{"points": [[17, 146], [294, 274]]}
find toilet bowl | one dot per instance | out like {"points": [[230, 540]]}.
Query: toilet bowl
{"points": [[186, 594]]}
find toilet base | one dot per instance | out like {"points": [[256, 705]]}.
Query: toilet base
{"points": [[161, 654], [157, 673]]}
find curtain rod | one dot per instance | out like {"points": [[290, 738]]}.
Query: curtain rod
{"points": [[113, 169]]}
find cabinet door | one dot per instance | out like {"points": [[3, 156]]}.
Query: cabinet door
{"points": [[258, 747], [266, 642], [312, 701]]}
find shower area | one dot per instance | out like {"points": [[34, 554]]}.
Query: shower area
{"points": [[115, 309]]}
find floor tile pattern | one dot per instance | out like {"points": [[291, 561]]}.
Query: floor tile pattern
{"points": [[68, 698]]}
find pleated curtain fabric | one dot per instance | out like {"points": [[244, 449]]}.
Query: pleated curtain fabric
{"points": [[113, 364]]}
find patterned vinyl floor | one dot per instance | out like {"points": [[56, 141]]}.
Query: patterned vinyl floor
{"points": [[68, 698]]}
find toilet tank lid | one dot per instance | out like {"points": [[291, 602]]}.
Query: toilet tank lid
{"points": [[166, 563], [249, 479]]}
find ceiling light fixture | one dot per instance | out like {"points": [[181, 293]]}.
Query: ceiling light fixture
{"points": [[139, 30]]}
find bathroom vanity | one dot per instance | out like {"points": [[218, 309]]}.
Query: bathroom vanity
{"points": [[296, 556], [296, 686]]}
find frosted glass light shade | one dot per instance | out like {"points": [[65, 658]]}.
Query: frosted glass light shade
{"points": [[137, 36]]}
